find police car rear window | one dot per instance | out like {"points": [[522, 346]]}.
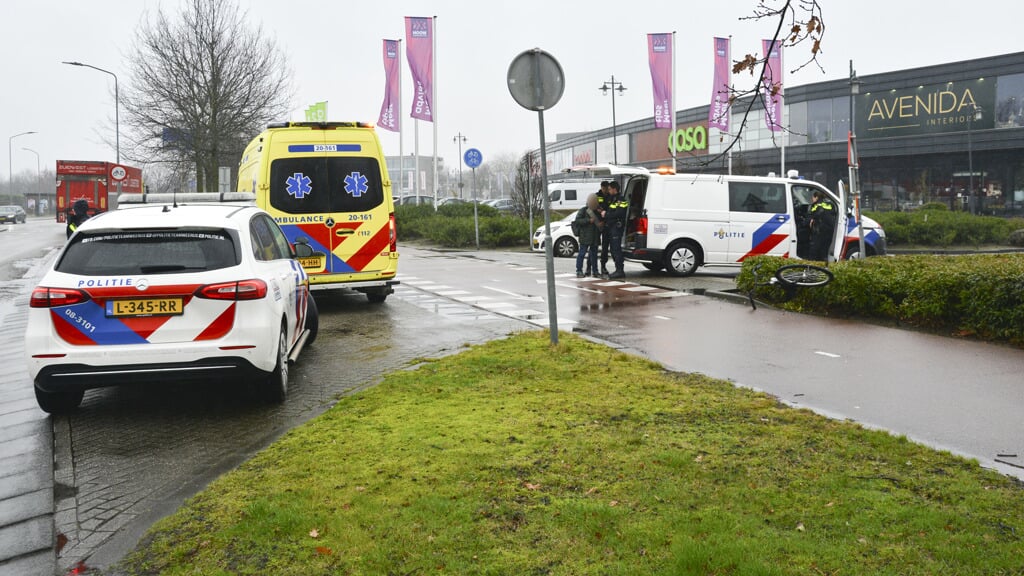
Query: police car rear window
{"points": [[317, 185], [149, 252]]}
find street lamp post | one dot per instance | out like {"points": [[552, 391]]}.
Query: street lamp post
{"points": [[460, 139], [117, 120], [613, 86], [10, 166], [975, 114], [39, 178]]}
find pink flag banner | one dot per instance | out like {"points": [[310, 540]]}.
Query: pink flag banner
{"points": [[659, 52], [718, 112], [772, 80], [419, 49], [389, 116]]}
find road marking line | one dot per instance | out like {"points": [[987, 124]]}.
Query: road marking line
{"points": [[827, 354]]}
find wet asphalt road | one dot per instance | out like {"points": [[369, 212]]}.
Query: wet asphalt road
{"points": [[132, 455]]}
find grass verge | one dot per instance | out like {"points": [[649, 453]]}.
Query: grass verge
{"points": [[516, 457]]}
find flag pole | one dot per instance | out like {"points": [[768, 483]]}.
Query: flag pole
{"points": [[401, 125], [433, 98], [672, 99]]}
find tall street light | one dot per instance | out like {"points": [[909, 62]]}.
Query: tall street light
{"points": [[613, 86], [975, 114], [117, 120], [10, 166], [460, 139], [39, 178]]}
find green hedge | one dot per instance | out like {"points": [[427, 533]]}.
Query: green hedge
{"points": [[935, 225], [977, 295], [452, 226]]}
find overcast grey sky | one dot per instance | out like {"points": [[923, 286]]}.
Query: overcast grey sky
{"points": [[334, 48]]}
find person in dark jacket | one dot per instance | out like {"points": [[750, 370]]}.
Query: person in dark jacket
{"points": [[79, 213], [588, 235], [602, 205], [615, 226]]}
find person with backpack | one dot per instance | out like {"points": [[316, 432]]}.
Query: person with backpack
{"points": [[584, 226]]}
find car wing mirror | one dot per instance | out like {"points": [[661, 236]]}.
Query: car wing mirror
{"points": [[302, 248]]}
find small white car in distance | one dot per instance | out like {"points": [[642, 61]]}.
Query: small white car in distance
{"points": [[564, 243], [169, 292]]}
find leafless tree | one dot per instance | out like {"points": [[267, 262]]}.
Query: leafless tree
{"points": [[528, 187], [202, 84]]}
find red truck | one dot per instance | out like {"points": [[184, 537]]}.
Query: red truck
{"points": [[98, 182]]}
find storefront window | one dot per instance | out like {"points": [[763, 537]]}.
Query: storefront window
{"points": [[819, 121], [1010, 101]]}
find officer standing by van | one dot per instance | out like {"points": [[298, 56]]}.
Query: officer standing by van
{"points": [[615, 227], [602, 204], [822, 221]]}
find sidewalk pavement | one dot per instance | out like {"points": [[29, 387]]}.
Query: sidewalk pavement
{"points": [[26, 456]]}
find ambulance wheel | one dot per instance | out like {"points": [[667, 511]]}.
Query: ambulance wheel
{"points": [[276, 384], [377, 295], [59, 402], [682, 258]]}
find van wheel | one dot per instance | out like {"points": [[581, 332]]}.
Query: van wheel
{"points": [[853, 251], [377, 295], [682, 258], [565, 247]]}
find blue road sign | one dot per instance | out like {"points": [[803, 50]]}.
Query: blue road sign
{"points": [[473, 158]]}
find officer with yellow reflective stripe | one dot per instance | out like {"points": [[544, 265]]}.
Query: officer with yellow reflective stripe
{"points": [[615, 226], [79, 213], [822, 220]]}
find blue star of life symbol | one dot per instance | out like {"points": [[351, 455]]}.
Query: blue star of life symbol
{"points": [[355, 184], [298, 185]]}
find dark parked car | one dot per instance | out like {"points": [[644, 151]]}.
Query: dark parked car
{"points": [[13, 214]]}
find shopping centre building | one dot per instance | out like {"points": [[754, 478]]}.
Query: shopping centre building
{"points": [[929, 134]]}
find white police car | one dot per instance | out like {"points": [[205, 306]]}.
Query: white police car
{"points": [[169, 292], [564, 243]]}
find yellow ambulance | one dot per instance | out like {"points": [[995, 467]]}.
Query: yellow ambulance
{"points": [[327, 182]]}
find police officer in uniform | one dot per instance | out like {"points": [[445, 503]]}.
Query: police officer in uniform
{"points": [[822, 221], [79, 213], [615, 226]]}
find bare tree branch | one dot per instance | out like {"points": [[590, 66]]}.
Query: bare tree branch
{"points": [[201, 86]]}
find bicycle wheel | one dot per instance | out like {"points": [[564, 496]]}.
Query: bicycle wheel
{"points": [[807, 275]]}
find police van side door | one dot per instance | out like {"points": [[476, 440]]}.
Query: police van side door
{"points": [[760, 220]]}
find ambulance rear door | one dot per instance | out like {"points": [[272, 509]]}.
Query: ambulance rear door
{"points": [[327, 185]]}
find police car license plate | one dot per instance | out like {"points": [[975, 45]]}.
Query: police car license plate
{"points": [[146, 307]]}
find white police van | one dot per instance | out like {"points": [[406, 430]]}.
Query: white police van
{"points": [[680, 222]]}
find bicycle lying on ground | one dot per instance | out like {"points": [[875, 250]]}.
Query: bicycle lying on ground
{"points": [[789, 279]]}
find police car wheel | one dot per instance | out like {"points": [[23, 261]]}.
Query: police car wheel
{"points": [[312, 319], [276, 384], [59, 402]]}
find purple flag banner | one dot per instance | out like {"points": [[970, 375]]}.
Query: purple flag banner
{"points": [[389, 117], [419, 49], [718, 112], [659, 52], [772, 80]]}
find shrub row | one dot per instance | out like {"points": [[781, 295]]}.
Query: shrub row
{"points": [[977, 295], [452, 226], [935, 225]]}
